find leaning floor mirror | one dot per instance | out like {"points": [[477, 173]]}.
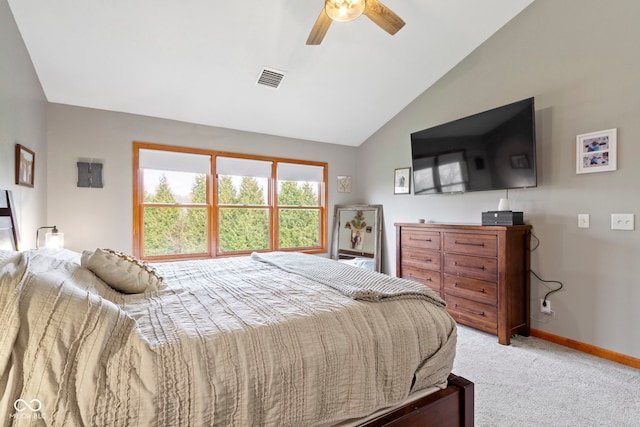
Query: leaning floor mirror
{"points": [[357, 234]]}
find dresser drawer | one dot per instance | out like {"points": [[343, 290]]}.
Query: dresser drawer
{"points": [[480, 271], [426, 277], [421, 258], [471, 266], [416, 238], [473, 244], [473, 313], [474, 289]]}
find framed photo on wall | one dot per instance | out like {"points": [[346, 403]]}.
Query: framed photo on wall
{"points": [[402, 181], [25, 163], [596, 151]]}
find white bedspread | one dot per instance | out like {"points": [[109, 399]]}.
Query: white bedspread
{"points": [[229, 342]]}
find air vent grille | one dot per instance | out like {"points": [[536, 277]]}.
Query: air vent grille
{"points": [[270, 77]]}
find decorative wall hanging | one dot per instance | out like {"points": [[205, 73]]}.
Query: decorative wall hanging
{"points": [[89, 175], [596, 151], [402, 181], [344, 184], [25, 166]]}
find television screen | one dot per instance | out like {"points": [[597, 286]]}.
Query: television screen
{"points": [[492, 150]]}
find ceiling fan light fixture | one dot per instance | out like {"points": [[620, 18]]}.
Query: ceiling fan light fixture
{"points": [[344, 10]]}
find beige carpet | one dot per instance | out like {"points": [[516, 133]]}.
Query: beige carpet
{"points": [[534, 382]]}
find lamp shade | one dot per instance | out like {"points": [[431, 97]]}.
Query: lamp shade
{"points": [[52, 239], [344, 10]]}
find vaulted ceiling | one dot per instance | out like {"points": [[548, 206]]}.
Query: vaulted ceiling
{"points": [[199, 61]]}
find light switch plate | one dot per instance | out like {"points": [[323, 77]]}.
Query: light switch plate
{"points": [[622, 221], [583, 220]]}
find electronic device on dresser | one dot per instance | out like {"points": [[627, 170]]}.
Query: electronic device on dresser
{"points": [[482, 272], [502, 218], [491, 150]]}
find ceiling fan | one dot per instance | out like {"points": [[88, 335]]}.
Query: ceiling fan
{"points": [[348, 10]]}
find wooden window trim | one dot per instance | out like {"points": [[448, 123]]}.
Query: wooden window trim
{"points": [[213, 206]]}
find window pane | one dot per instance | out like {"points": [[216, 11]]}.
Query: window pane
{"points": [[299, 228], [170, 231], [242, 229], [242, 190], [174, 187], [298, 193]]}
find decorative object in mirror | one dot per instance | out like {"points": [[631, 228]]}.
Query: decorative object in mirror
{"points": [[357, 235]]}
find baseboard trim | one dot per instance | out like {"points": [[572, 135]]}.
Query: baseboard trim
{"points": [[587, 348]]}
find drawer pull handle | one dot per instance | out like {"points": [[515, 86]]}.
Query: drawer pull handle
{"points": [[427, 279], [482, 267], [455, 285], [468, 244], [421, 259], [481, 313], [420, 240]]}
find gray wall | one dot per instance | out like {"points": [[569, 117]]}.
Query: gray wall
{"points": [[22, 121], [580, 59], [94, 217]]}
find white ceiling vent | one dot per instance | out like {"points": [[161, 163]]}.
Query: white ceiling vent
{"points": [[270, 77]]}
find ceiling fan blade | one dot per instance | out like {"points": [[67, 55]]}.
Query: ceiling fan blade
{"points": [[319, 28], [383, 16]]}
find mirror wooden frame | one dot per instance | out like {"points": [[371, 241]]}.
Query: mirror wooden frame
{"points": [[342, 253]]}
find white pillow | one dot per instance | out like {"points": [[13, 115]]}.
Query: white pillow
{"points": [[122, 272]]}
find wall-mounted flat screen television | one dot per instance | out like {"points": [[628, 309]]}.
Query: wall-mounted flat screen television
{"points": [[492, 150]]}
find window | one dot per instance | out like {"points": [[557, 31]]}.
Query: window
{"points": [[197, 203], [173, 205], [243, 204], [299, 205]]}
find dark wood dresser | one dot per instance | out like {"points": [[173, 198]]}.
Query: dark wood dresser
{"points": [[482, 272]]}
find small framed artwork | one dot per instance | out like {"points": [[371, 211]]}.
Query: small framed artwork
{"points": [[25, 162], [344, 184], [596, 151], [89, 174], [402, 181]]}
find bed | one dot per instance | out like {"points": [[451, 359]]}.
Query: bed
{"points": [[268, 339]]}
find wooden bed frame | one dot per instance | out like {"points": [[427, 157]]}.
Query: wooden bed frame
{"points": [[451, 407]]}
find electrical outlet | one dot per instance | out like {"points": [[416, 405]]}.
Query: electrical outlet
{"points": [[545, 306]]}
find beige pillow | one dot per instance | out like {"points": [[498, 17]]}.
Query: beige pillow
{"points": [[122, 272]]}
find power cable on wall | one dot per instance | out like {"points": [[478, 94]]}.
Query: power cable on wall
{"points": [[543, 281]]}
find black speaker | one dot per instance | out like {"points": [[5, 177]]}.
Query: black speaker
{"points": [[502, 218]]}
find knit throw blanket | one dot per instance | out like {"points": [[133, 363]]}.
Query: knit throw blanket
{"points": [[356, 283]]}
